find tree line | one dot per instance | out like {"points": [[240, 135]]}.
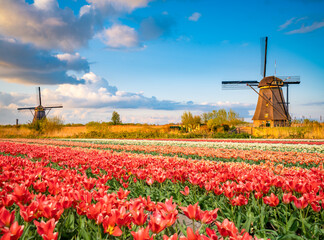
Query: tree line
{"points": [[214, 120]]}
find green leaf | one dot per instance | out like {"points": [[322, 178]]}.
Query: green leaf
{"points": [[290, 236], [247, 224], [290, 222], [84, 234], [183, 230]]}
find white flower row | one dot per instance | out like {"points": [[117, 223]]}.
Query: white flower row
{"points": [[230, 145]]}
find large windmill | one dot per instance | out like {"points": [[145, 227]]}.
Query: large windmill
{"points": [[39, 112], [272, 109]]}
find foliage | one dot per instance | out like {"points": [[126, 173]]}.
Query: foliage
{"points": [[47, 125], [189, 121], [221, 118], [115, 118]]}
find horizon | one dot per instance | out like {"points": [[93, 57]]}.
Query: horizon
{"points": [[152, 60]]}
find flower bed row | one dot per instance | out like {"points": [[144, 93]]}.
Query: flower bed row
{"points": [[39, 201], [254, 145], [306, 160], [245, 194]]}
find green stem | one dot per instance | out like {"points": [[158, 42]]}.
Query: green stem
{"points": [[302, 218], [193, 225]]}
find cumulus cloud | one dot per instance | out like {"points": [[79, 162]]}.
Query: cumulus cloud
{"points": [[120, 36], [306, 29], [195, 17], [98, 93], [47, 26], [24, 63]]}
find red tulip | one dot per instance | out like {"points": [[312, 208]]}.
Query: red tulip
{"points": [[30, 212], [109, 225], [12, 233], [226, 228], [46, 230], [6, 218], [122, 194], [139, 217], [212, 234], [186, 191], [157, 223], [301, 202], [142, 234], [207, 217], [193, 236], [192, 211], [272, 201], [288, 197], [173, 237]]}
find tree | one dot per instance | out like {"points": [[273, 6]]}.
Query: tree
{"points": [[221, 118], [190, 121], [115, 118]]}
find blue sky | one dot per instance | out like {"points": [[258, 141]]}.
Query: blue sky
{"points": [[152, 60]]}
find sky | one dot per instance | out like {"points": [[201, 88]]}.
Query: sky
{"points": [[151, 60]]}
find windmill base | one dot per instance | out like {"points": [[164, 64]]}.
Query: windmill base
{"points": [[271, 123]]}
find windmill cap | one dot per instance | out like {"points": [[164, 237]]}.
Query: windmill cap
{"points": [[270, 81]]}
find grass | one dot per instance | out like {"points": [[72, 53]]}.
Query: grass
{"points": [[102, 130]]}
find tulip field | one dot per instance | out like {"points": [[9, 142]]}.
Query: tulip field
{"points": [[161, 189]]}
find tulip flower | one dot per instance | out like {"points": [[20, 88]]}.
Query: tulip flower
{"points": [[157, 223], [122, 194], [12, 233], [142, 234], [46, 230], [272, 201], [173, 237], [6, 218], [192, 211], [226, 228], [186, 191], [109, 225], [193, 236], [212, 234], [139, 217], [301, 202]]}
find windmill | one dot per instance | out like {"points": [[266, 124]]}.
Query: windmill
{"points": [[272, 109], [39, 112]]}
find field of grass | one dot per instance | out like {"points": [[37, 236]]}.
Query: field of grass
{"points": [[161, 131]]}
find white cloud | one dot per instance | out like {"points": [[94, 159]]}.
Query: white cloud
{"points": [[120, 36], [195, 17], [306, 29], [45, 4], [24, 63], [286, 24], [45, 25], [120, 5]]}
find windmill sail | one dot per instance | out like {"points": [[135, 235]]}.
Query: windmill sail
{"points": [[39, 112], [272, 109]]}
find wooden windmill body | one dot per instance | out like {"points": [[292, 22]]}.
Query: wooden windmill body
{"points": [[272, 107], [39, 112]]}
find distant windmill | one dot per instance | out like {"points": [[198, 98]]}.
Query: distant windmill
{"points": [[272, 109], [39, 112]]}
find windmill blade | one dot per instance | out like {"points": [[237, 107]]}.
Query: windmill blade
{"points": [[238, 85], [264, 50], [290, 79], [50, 107], [26, 108], [39, 96]]}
